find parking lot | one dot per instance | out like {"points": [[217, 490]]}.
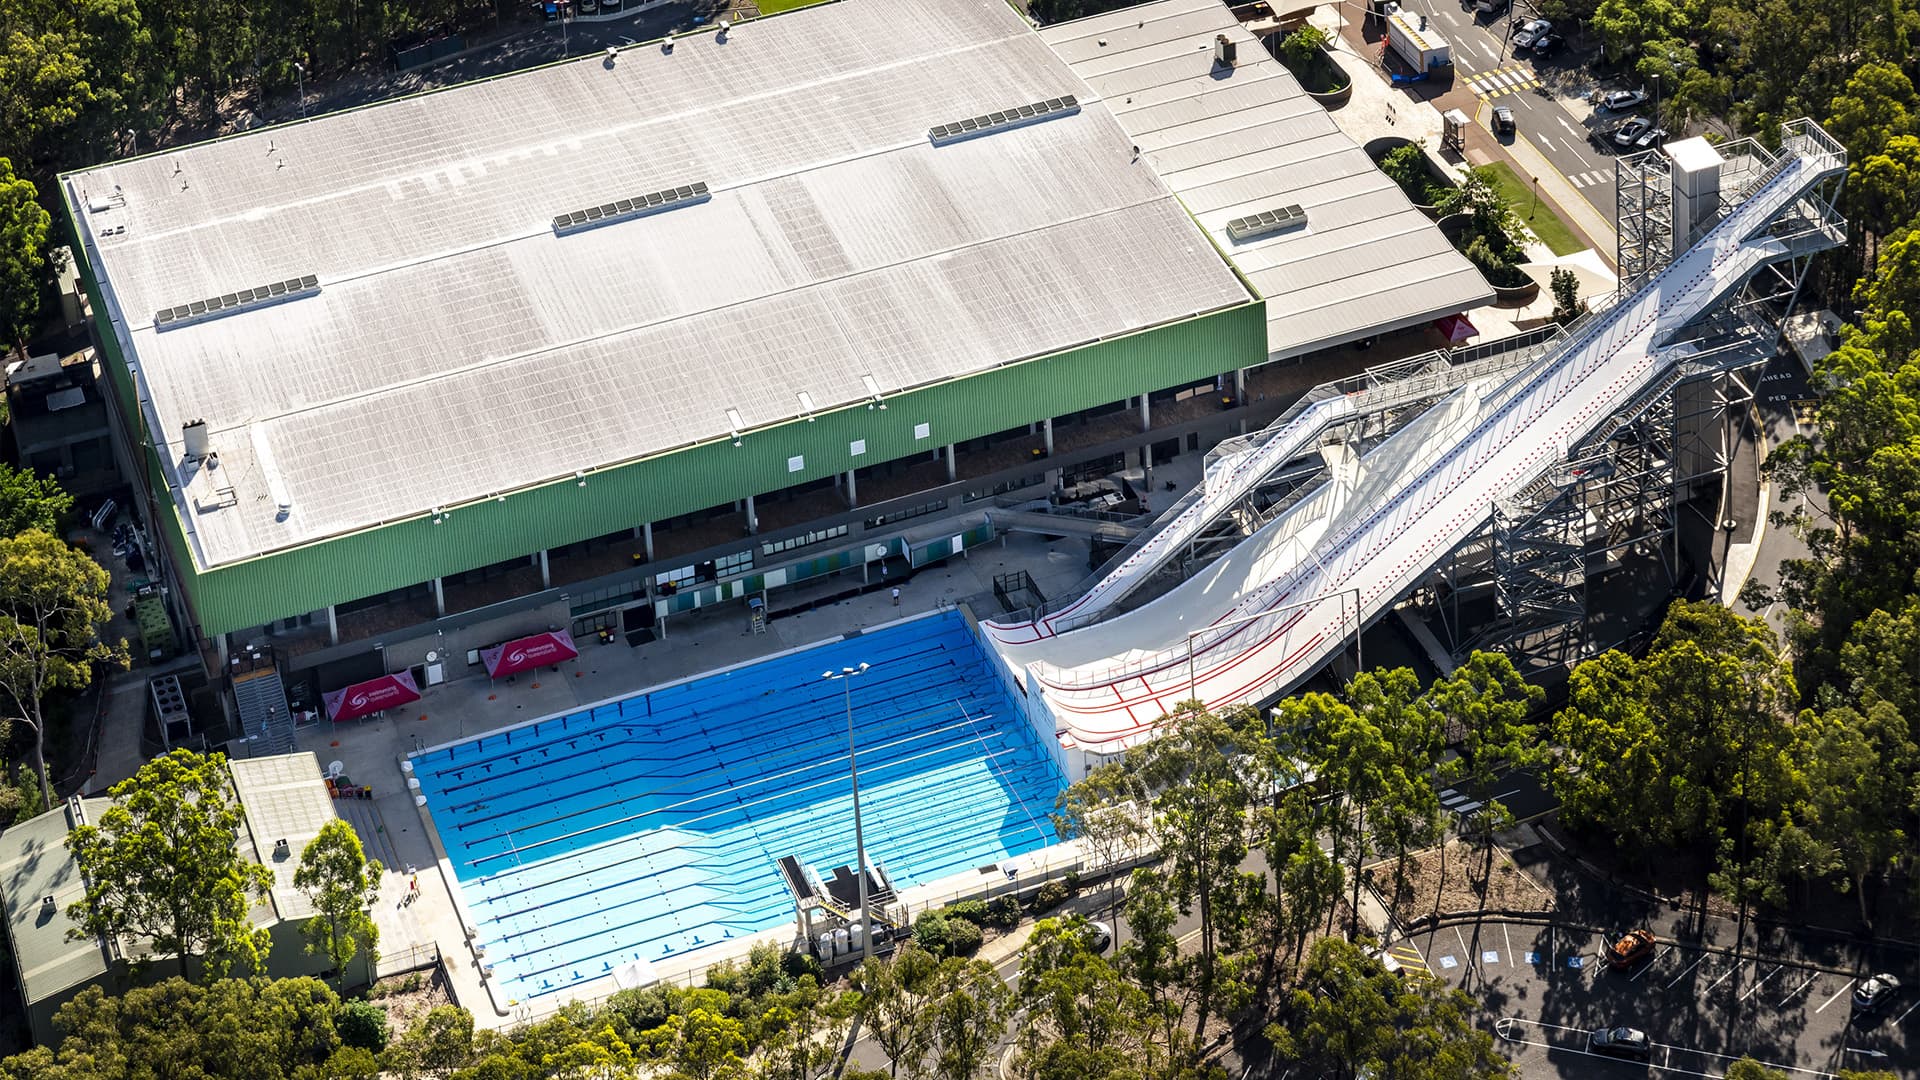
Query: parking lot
{"points": [[1544, 988]]}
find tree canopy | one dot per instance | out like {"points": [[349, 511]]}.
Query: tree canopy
{"points": [[23, 237], [343, 884], [163, 868]]}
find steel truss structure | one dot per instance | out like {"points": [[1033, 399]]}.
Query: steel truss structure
{"points": [[1616, 497]]}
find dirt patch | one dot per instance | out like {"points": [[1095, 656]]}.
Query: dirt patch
{"points": [[408, 998], [1449, 880]]}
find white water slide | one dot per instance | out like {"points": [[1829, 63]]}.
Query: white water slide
{"points": [[1262, 618]]}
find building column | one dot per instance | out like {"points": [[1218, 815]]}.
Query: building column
{"points": [[333, 626], [220, 650], [953, 471], [1046, 429], [646, 536], [439, 599], [1240, 386], [546, 571], [1146, 414], [853, 490], [753, 519]]}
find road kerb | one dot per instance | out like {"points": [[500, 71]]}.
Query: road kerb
{"points": [[1580, 213]]}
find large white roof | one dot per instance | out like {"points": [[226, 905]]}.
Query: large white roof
{"points": [[457, 347], [1234, 143]]}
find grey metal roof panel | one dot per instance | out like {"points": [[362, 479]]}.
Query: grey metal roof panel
{"points": [[835, 241], [34, 863], [1239, 143]]}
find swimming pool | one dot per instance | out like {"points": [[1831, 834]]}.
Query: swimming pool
{"points": [[648, 826]]}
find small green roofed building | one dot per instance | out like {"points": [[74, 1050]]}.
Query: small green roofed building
{"points": [[284, 797]]}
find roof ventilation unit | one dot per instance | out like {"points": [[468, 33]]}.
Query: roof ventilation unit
{"points": [[215, 307], [199, 443], [1267, 221], [1225, 52], [640, 205], [1019, 116]]}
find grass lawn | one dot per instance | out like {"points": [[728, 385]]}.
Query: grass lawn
{"points": [[1539, 216], [774, 7]]}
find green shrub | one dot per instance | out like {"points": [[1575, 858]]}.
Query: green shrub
{"points": [[963, 937], [932, 932], [974, 911], [362, 1024], [1072, 879], [1003, 913], [1050, 896], [351, 1063]]}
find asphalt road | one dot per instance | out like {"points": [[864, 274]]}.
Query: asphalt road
{"points": [[1543, 989], [1546, 96], [1782, 397]]}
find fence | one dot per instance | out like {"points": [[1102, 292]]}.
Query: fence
{"points": [[412, 958]]}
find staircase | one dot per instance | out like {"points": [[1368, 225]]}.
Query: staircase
{"points": [[264, 716]]}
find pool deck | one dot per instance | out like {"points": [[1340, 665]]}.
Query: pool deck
{"points": [[372, 750]]}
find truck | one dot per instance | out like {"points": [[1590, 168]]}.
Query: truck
{"points": [[1419, 43]]}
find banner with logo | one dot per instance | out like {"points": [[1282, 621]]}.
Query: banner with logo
{"points": [[366, 698], [528, 653]]}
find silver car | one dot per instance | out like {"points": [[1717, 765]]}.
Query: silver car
{"points": [[1533, 31]]}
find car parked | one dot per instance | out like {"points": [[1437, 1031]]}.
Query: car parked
{"points": [[1875, 992], [1099, 935], [1629, 133], [1650, 138], [1546, 45], [1630, 949], [1531, 32], [1621, 1042], [1503, 123], [1623, 100]]}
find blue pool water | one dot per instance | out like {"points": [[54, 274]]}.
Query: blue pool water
{"points": [[648, 826]]}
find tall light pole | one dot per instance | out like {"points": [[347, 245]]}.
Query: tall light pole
{"points": [[300, 79], [845, 675]]}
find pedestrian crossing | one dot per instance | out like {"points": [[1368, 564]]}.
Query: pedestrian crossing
{"points": [[1590, 179], [1506, 80]]}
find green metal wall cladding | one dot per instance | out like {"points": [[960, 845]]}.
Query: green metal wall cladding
{"points": [[394, 556]]}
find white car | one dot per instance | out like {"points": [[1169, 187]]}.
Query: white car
{"points": [[1622, 100], [1533, 31]]}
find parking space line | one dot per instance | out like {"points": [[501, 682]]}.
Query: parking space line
{"points": [[1506, 1027], [1834, 998], [1464, 951], [1762, 980], [1903, 1016], [1509, 939], [1737, 965], [1648, 966], [1683, 974], [1795, 992]]}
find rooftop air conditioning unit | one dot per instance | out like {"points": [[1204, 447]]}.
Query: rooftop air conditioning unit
{"points": [[198, 440]]}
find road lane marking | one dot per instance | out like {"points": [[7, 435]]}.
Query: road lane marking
{"points": [[1568, 124], [1683, 974], [1834, 998], [1648, 966], [1795, 992], [1543, 140]]}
